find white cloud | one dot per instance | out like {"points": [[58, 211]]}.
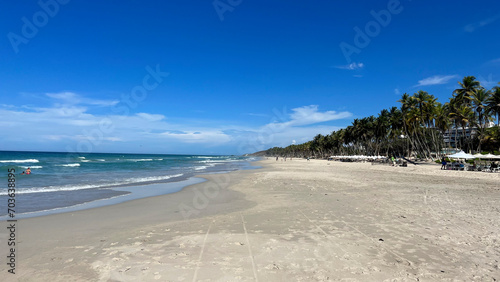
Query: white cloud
{"points": [[310, 115], [67, 127], [71, 98], [397, 91], [150, 117], [493, 62], [299, 126], [437, 79], [473, 26], [205, 136], [351, 66], [488, 82]]}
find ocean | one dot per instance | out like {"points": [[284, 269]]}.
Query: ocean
{"points": [[62, 181]]}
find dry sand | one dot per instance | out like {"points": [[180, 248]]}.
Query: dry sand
{"points": [[290, 221]]}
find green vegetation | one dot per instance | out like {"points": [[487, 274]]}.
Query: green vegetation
{"points": [[415, 129]]}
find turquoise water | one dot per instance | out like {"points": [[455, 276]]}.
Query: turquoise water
{"points": [[66, 179]]}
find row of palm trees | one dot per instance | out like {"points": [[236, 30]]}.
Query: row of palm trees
{"points": [[416, 128]]}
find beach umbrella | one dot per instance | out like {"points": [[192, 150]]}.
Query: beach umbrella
{"points": [[491, 156], [461, 155]]}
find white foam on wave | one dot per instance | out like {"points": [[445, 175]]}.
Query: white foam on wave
{"points": [[200, 167], [87, 186], [69, 165], [210, 157], [151, 178], [139, 160], [33, 167], [52, 189], [217, 161], [20, 161]]}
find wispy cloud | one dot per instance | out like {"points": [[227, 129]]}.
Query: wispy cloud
{"points": [[493, 62], [488, 82], [473, 26], [310, 115], [151, 117], [71, 98], [434, 80], [67, 126], [256, 115], [351, 66]]}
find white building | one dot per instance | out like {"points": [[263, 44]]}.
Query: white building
{"points": [[455, 134]]}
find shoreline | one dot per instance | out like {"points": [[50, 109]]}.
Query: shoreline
{"points": [[126, 192], [298, 220]]}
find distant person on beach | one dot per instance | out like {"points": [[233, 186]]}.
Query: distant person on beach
{"points": [[277, 158], [28, 171], [443, 163], [307, 158]]}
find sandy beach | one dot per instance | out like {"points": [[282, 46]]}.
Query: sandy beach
{"points": [[289, 221]]}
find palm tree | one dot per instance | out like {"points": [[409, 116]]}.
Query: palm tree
{"points": [[479, 100], [494, 103], [492, 138], [464, 116], [442, 122], [468, 86]]}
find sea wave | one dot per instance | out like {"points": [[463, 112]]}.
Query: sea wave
{"points": [[217, 161], [211, 157], [32, 167], [151, 178], [69, 165], [139, 160], [20, 161], [92, 186]]}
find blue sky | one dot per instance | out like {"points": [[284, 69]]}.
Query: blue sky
{"points": [[225, 76]]}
